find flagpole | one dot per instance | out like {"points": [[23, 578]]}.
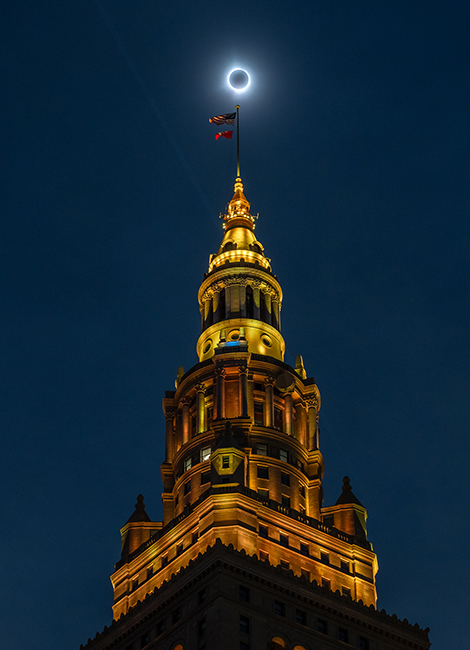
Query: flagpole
{"points": [[238, 143]]}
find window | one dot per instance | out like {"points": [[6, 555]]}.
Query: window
{"points": [[285, 478], [329, 520], [225, 462], [263, 472], [187, 487], [325, 558], [279, 608], [179, 549], [201, 627], [302, 509], [262, 449], [305, 573], [278, 419], [263, 493], [346, 591], [144, 639], [322, 626], [325, 582], [244, 593], [205, 477], [149, 572], [284, 455], [160, 627], [202, 596], [284, 540], [300, 617], [210, 414], [176, 615], [343, 635], [363, 643], [259, 413], [345, 566], [304, 549], [285, 501], [244, 624], [188, 463], [263, 531], [164, 561], [285, 565], [302, 490], [135, 584], [195, 537], [264, 556], [205, 454]]}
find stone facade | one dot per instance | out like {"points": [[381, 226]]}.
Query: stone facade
{"points": [[247, 555]]}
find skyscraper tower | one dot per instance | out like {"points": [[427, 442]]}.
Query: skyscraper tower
{"points": [[246, 556]]}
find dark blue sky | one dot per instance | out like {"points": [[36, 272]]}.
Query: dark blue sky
{"points": [[355, 152]]}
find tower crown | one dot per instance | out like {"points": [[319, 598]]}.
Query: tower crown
{"points": [[240, 298]]}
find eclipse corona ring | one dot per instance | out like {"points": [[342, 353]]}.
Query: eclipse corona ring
{"points": [[239, 80]]}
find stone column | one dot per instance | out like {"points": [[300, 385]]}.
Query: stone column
{"points": [[220, 393], [243, 389], [242, 285], [267, 302], [215, 305], [288, 415], [276, 321], [256, 299], [269, 402], [201, 409], [312, 406], [170, 415], [228, 301], [207, 309], [186, 423]]}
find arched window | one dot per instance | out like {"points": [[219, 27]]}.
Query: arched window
{"points": [[299, 647], [277, 643], [229, 246]]}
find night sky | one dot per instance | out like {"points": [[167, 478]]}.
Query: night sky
{"points": [[355, 152]]}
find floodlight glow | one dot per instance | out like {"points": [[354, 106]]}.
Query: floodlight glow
{"points": [[238, 80]]}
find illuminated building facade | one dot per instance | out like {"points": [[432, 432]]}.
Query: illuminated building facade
{"points": [[247, 556]]}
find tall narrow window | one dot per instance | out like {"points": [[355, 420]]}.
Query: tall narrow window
{"points": [[258, 409], [249, 302], [244, 624]]}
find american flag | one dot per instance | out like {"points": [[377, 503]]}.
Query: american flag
{"points": [[228, 118]]}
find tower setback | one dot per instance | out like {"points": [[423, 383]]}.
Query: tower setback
{"points": [[247, 556]]}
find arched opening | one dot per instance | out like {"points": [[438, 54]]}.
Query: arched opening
{"points": [[220, 313], [277, 643], [262, 308], [249, 302], [229, 246], [299, 647]]}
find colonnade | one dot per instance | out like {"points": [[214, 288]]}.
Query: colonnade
{"points": [[240, 297], [300, 421]]}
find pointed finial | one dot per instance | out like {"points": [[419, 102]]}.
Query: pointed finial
{"points": [[139, 513]]}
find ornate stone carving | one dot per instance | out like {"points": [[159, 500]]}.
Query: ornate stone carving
{"points": [[311, 401], [200, 388], [170, 413]]}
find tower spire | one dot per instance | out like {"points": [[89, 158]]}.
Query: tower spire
{"points": [[238, 141]]}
